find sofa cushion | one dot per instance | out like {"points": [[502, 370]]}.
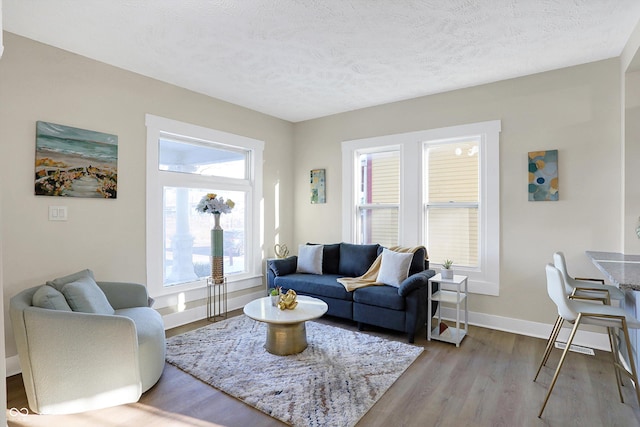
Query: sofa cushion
{"points": [[355, 260], [85, 296], [310, 284], [59, 283], [50, 298], [309, 259], [281, 267], [330, 258], [394, 267], [379, 296]]}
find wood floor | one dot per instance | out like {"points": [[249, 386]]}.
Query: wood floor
{"points": [[485, 382]]}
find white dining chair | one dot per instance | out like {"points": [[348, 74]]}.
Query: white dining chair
{"points": [[580, 312], [584, 286], [593, 290]]}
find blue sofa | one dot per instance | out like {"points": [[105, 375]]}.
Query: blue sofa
{"points": [[402, 309]]}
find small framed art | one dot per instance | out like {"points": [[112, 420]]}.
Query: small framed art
{"points": [[543, 175], [318, 186]]}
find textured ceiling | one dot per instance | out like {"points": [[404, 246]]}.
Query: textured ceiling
{"points": [[304, 59]]}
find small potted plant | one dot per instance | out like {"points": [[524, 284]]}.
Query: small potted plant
{"points": [[447, 272], [274, 293]]}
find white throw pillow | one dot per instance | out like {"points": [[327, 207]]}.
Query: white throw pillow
{"points": [[310, 259], [394, 267]]}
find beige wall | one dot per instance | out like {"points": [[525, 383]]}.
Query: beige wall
{"points": [[575, 110], [632, 154], [38, 82]]}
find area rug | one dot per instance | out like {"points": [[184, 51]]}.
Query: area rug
{"points": [[334, 382]]}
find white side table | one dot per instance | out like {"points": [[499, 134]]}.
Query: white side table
{"points": [[457, 297]]}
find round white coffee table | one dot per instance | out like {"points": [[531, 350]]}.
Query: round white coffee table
{"points": [[286, 330]]}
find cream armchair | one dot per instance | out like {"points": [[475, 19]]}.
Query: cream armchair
{"points": [[74, 361]]}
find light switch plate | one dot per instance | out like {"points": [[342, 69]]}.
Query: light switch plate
{"points": [[57, 213]]}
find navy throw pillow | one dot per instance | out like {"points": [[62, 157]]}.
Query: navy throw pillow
{"points": [[282, 267], [355, 260], [330, 258], [417, 263]]}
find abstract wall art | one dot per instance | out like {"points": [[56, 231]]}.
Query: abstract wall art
{"points": [[72, 162], [318, 189], [543, 175]]}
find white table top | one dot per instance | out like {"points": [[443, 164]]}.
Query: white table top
{"points": [[308, 308], [457, 279]]}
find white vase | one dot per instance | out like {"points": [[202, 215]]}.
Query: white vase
{"points": [[446, 273]]}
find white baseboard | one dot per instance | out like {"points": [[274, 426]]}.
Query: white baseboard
{"points": [[596, 340]]}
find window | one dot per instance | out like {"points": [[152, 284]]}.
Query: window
{"points": [[451, 183], [379, 197], [185, 162], [440, 189]]}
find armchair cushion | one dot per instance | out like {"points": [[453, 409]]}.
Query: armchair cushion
{"points": [[84, 295], [59, 283], [49, 298]]}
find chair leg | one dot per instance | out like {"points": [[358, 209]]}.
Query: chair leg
{"points": [[614, 355], [564, 355], [550, 342], [554, 337], [634, 373]]}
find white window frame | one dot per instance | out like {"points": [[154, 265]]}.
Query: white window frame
{"points": [[482, 280], [158, 127]]}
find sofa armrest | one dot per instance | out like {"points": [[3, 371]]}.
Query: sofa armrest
{"points": [[65, 349], [125, 295], [415, 281]]}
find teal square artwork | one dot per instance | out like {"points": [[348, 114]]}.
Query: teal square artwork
{"points": [[543, 175]]}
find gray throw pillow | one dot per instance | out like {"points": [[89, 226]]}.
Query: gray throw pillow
{"points": [[310, 259], [84, 295], [50, 298], [61, 281]]}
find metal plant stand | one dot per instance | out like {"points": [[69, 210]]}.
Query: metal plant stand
{"points": [[216, 300]]}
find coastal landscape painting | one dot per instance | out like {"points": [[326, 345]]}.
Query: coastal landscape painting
{"points": [[72, 162]]}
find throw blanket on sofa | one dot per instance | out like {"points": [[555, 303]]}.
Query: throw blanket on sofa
{"points": [[369, 278]]}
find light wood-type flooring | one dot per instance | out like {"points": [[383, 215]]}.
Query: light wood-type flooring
{"points": [[485, 382]]}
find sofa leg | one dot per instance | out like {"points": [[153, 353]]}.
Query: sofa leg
{"points": [[411, 338], [360, 326]]}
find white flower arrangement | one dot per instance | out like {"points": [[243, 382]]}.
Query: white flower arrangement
{"points": [[211, 203]]}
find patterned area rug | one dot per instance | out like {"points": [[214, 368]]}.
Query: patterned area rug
{"points": [[334, 382]]}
